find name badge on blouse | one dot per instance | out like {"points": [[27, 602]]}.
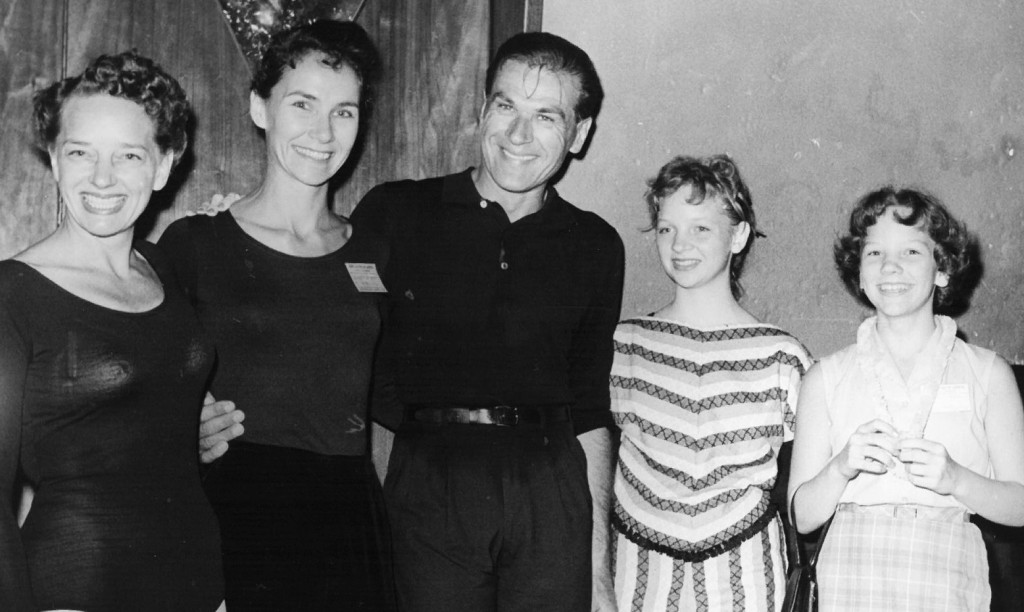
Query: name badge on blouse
{"points": [[952, 398], [365, 277]]}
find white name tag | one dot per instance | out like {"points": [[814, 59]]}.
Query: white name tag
{"points": [[365, 277], [952, 398]]}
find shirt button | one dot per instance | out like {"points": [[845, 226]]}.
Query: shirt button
{"points": [[504, 265], [483, 203]]}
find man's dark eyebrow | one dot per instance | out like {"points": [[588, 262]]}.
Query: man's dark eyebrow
{"points": [[556, 110], [545, 110], [86, 143]]}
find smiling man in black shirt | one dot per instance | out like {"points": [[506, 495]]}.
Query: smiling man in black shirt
{"points": [[494, 363], [496, 352]]}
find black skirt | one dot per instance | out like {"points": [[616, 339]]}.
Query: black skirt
{"points": [[300, 530]]}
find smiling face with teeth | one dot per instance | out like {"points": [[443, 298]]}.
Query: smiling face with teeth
{"points": [[311, 120], [107, 163], [696, 240], [898, 272], [527, 128]]}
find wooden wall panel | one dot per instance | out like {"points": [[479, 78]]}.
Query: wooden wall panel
{"points": [[30, 53], [189, 38], [192, 41], [434, 53], [510, 17]]}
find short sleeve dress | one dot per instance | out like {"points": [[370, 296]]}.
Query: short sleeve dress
{"points": [[703, 415]]}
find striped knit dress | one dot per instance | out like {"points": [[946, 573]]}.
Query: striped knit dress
{"points": [[703, 414]]}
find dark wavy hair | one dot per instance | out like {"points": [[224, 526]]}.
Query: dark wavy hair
{"points": [[126, 75], [341, 43], [955, 248], [541, 49], [708, 177]]}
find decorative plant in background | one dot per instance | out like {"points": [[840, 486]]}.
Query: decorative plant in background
{"points": [[253, 22]]}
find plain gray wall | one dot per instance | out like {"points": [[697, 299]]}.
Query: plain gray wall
{"points": [[818, 102]]}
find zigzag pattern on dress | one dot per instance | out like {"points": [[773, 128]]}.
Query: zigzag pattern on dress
{"points": [[720, 365], [700, 588], [649, 538], [694, 484], [660, 503], [717, 335], [739, 598], [769, 565], [702, 415], [676, 592], [699, 444], [642, 575], [702, 405]]}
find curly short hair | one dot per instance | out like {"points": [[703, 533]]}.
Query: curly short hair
{"points": [[708, 177], [558, 55], [341, 43], [954, 246], [129, 76]]}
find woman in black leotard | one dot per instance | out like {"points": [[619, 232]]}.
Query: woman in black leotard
{"points": [[290, 294], [102, 368]]}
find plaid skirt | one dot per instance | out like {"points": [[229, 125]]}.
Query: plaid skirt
{"points": [[751, 576], [887, 559]]}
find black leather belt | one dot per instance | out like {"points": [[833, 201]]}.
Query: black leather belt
{"points": [[502, 416]]}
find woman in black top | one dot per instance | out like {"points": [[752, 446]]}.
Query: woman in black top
{"points": [[290, 294], [102, 368]]}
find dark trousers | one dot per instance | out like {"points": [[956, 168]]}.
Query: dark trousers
{"points": [[300, 530], [489, 518]]}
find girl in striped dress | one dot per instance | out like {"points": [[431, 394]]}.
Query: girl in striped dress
{"points": [[704, 394], [910, 430]]}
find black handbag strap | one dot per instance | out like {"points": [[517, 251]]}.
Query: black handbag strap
{"points": [[821, 540], [817, 548]]}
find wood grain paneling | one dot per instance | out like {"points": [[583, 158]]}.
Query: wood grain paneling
{"points": [[434, 54], [192, 41], [510, 17], [189, 38], [30, 54]]}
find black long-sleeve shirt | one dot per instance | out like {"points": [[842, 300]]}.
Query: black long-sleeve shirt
{"points": [[488, 312]]}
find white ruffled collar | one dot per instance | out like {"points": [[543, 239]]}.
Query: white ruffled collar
{"points": [[906, 404]]}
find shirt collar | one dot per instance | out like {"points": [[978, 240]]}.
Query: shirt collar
{"points": [[460, 189]]}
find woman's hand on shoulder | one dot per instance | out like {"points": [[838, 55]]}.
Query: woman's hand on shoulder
{"points": [[871, 448], [218, 203]]}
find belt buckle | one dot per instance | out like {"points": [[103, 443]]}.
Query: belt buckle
{"points": [[507, 416]]}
